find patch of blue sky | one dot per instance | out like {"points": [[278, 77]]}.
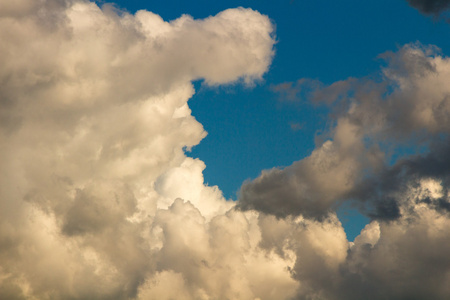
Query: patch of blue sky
{"points": [[255, 134]]}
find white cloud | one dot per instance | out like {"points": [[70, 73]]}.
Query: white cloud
{"points": [[94, 120]]}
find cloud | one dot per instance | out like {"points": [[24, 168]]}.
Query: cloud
{"points": [[295, 91], [380, 193], [296, 126], [402, 259], [407, 108], [97, 197], [407, 199], [286, 90], [430, 7], [305, 187]]}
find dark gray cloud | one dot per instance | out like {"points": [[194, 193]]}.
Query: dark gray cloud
{"points": [[380, 192], [279, 192], [431, 7], [309, 187]]}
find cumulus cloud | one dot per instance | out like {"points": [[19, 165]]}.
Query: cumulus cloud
{"points": [[407, 200], [97, 197], [409, 107], [401, 259]]}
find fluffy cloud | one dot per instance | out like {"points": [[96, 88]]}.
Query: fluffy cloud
{"points": [[404, 258], [97, 197], [401, 254]]}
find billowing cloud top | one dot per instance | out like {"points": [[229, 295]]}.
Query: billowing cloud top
{"points": [[99, 201], [93, 123]]}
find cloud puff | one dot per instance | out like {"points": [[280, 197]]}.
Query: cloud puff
{"points": [[431, 7]]}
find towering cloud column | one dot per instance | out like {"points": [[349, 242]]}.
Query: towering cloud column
{"points": [[97, 197]]}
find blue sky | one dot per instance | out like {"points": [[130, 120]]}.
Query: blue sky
{"points": [[249, 128]]}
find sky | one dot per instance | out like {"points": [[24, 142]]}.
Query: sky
{"points": [[224, 150]]}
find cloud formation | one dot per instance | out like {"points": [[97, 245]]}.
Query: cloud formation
{"points": [[409, 107], [99, 201], [408, 200], [97, 197]]}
